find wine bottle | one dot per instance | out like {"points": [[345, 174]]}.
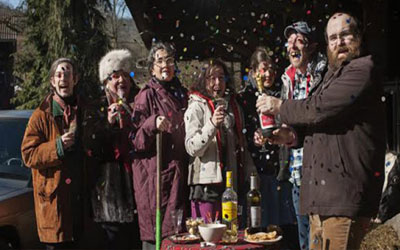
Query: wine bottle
{"points": [[229, 210], [267, 122], [254, 205]]}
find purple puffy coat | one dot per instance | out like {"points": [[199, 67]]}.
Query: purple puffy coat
{"points": [[152, 101]]}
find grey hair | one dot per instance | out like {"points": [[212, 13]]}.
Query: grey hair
{"points": [[168, 47]]}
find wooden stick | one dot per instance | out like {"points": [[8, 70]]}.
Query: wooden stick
{"points": [[158, 191]]}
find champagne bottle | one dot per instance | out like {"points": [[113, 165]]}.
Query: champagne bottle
{"points": [[254, 205], [229, 210], [267, 122]]}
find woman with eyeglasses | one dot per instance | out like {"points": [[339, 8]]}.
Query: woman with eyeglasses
{"points": [[215, 141], [159, 108], [106, 141]]}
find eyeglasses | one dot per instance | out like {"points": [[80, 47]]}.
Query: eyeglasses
{"points": [[345, 35], [59, 74], [169, 61]]}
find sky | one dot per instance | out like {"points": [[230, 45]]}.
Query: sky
{"points": [[15, 3], [12, 3]]}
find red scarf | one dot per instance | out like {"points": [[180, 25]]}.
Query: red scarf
{"points": [[240, 141]]}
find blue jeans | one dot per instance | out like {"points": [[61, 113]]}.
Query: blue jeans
{"points": [[302, 220]]}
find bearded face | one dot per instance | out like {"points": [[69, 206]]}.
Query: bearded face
{"points": [[343, 42], [343, 53]]}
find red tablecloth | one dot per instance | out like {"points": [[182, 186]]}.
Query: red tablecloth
{"points": [[167, 244]]}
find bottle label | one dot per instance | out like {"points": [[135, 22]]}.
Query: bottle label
{"points": [[229, 211], [255, 216], [267, 121]]}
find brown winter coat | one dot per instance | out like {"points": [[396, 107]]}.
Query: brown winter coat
{"points": [[50, 174], [344, 144]]}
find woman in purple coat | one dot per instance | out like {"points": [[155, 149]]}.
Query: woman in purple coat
{"points": [[159, 108]]}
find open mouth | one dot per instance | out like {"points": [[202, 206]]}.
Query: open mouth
{"points": [[295, 54], [164, 74], [217, 92]]}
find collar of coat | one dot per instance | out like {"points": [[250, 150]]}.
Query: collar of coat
{"points": [[238, 124], [315, 68]]}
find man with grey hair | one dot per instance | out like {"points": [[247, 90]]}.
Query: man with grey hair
{"points": [[305, 72], [343, 124], [51, 148]]}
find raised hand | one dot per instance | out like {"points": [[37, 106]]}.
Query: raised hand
{"points": [[162, 123], [218, 116]]}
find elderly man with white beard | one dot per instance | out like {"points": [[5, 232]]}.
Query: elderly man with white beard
{"points": [[342, 128]]}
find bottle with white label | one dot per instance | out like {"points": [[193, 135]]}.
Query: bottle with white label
{"points": [[254, 205]]}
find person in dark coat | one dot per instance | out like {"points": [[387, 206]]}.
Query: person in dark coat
{"points": [[276, 207], [344, 143], [159, 108], [106, 141], [305, 72]]}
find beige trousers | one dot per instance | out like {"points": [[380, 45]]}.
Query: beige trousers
{"points": [[337, 233]]}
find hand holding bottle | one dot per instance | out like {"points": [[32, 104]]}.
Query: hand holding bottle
{"points": [[268, 105]]}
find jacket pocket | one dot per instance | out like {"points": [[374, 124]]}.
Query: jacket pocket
{"points": [[338, 156], [49, 182], [47, 214]]}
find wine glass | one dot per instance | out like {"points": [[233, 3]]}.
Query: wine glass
{"points": [[263, 139], [176, 216]]}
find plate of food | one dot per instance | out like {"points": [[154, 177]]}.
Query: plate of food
{"points": [[184, 238], [264, 238]]}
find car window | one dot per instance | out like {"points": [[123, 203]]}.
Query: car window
{"points": [[11, 135]]}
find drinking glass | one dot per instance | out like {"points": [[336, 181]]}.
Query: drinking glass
{"points": [[176, 216]]}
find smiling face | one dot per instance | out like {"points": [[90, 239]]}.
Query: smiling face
{"points": [[267, 73], [215, 82], [298, 50], [163, 66], [63, 80], [343, 43], [119, 83]]}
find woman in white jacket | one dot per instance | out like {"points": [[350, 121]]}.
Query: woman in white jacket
{"points": [[215, 141]]}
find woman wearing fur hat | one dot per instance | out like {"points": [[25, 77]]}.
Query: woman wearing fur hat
{"points": [[159, 108], [106, 139]]}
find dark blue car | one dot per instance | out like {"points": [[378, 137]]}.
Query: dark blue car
{"points": [[17, 214]]}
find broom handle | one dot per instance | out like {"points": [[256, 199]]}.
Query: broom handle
{"points": [[158, 192]]}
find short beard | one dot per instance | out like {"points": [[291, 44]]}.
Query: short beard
{"points": [[335, 63]]}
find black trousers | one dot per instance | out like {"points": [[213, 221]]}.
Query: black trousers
{"points": [[122, 235]]}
